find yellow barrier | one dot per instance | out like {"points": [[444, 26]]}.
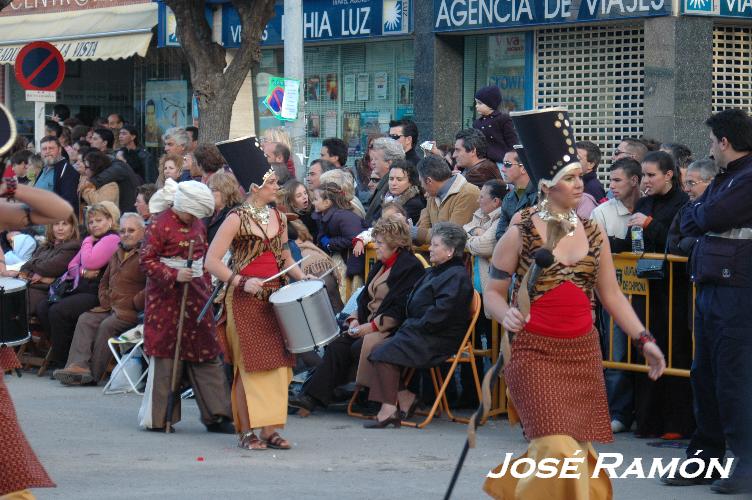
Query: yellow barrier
{"points": [[631, 285]]}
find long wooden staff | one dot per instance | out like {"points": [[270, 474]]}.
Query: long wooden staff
{"points": [[176, 357]]}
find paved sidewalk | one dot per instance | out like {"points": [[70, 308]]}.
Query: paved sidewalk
{"points": [[93, 449]]}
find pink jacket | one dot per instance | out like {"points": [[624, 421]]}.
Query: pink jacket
{"points": [[94, 255]]}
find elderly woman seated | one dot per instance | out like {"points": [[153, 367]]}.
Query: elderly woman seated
{"points": [[437, 320], [381, 308]]}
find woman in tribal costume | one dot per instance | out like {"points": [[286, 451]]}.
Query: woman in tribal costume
{"points": [[554, 374], [256, 235], [20, 207]]}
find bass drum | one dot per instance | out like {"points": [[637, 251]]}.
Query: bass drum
{"points": [[14, 320], [305, 315]]}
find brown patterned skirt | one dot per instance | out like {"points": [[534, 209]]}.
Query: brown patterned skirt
{"points": [[19, 466], [557, 386], [259, 334]]}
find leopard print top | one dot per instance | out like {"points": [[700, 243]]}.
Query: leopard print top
{"points": [[583, 274]]}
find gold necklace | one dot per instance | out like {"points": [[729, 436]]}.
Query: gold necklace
{"points": [[260, 215], [568, 219]]}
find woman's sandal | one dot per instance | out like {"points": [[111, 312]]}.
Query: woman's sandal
{"points": [[277, 442], [250, 441]]}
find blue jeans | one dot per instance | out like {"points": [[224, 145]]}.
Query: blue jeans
{"points": [[619, 383]]}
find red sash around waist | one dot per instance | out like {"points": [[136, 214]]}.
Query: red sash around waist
{"points": [[563, 312], [263, 266]]}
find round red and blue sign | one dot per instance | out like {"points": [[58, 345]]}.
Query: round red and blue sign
{"points": [[40, 66]]}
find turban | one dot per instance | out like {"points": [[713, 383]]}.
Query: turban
{"points": [[194, 198], [162, 199]]}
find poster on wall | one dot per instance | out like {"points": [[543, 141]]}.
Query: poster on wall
{"points": [[363, 82], [166, 107], [506, 68], [403, 111], [351, 133], [313, 88], [380, 84], [330, 124], [369, 125], [404, 89], [331, 86], [314, 125], [349, 95]]}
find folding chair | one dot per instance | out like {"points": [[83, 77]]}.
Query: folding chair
{"points": [[465, 354], [122, 362]]}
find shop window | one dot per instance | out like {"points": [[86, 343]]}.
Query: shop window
{"points": [[351, 91], [504, 60]]}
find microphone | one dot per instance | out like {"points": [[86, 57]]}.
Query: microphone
{"points": [[543, 259]]}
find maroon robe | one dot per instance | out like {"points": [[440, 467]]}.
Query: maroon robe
{"points": [[168, 236]]}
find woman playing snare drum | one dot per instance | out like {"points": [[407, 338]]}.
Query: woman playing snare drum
{"points": [[257, 237]]}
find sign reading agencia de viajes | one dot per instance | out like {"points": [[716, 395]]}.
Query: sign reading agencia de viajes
{"points": [[459, 15]]}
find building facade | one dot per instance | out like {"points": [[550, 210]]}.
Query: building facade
{"points": [[625, 68]]}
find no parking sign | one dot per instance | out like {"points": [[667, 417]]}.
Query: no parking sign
{"points": [[40, 66]]}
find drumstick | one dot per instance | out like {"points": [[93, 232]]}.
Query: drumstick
{"points": [[330, 271], [283, 271]]}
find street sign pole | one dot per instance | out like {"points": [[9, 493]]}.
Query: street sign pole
{"points": [[38, 124]]}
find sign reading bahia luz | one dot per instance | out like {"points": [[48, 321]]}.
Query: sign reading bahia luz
{"points": [[456, 15], [328, 20]]}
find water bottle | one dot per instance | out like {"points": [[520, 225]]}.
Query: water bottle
{"points": [[638, 244]]}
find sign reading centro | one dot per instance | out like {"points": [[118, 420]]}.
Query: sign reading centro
{"points": [[456, 15]]}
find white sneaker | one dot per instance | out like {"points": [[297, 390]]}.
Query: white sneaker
{"points": [[617, 427]]}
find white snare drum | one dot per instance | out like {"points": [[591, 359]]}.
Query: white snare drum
{"points": [[305, 315], [14, 323]]}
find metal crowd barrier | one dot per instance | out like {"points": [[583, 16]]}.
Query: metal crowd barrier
{"points": [[632, 286]]}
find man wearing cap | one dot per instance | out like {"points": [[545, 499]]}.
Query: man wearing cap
{"points": [[495, 125], [164, 260]]}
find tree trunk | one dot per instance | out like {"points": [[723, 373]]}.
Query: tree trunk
{"points": [[214, 116], [214, 81]]}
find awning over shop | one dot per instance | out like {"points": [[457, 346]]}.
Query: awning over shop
{"points": [[94, 34]]}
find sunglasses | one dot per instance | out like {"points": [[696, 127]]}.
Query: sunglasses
{"points": [[396, 137], [620, 152], [691, 184], [509, 164], [375, 179]]}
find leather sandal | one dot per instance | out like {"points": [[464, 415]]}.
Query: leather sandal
{"points": [[250, 441], [277, 442]]}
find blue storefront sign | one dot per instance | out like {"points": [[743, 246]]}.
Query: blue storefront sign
{"points": [[461, 15], [327, 20], [720, 8]]}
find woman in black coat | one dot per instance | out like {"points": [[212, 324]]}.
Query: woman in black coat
{"points": [[664, 407], [436, 322], [381, 309]]}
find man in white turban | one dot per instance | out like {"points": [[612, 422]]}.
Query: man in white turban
{"points": [[170, 269]]}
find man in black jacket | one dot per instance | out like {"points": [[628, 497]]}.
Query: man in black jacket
{"points": [[721, 267], [405, 132]]}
